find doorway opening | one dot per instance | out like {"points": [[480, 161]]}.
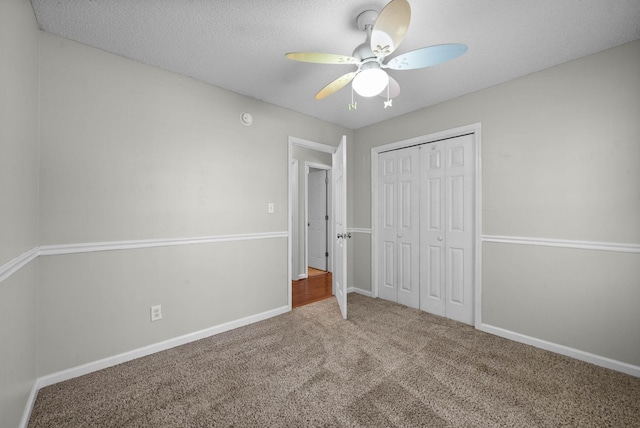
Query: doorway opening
{"points": [[305, 157], [317, 211]]}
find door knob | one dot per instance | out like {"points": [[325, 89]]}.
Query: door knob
{"points": [[340, 236], [399, 235], [439, 238]]}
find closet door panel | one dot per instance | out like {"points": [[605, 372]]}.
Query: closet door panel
{"points": [[408, 232], [459, 158], [399, 220], [432, 230], [387, 221]]}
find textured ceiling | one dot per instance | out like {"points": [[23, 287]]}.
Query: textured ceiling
{"points": [[239, 45]]}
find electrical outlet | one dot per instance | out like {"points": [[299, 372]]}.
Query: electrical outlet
{"points": [[270, 208], [156, 313]]}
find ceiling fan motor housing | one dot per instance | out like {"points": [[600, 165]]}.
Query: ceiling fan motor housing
{"points": [[363, 51], [365, 22]]}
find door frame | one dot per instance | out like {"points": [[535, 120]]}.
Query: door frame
{"points": [[476, 130], [301, 142], [327, 168], [293, 193]]}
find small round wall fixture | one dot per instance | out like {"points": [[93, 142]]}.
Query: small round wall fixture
{"points": [[246, 118]]}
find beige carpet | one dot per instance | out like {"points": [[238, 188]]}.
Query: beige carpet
{"points": [[387, 366]]}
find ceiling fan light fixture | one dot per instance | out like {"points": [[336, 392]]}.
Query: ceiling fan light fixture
{"points": [[385, 31], [370, 82]]}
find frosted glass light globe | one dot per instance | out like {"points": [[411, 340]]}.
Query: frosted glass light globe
{"points": [[371, 82]]}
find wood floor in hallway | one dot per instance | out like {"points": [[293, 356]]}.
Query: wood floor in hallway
{"points": [[316, 287]]}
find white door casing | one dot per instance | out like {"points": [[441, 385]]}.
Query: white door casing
{"points": [[398, 217], [317, 218], [340, 225], [293, 217], [324, 148]]}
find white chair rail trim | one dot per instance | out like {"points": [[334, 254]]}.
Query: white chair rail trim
{"points": [[16, 264], [564, 243], [359, 230], [49, 250], [11, 267]]}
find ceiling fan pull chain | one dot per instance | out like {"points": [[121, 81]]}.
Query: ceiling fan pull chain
{"points": [[353, 105], [389, 101]]}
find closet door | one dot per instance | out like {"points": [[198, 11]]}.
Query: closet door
{"points": [[398, 217], [432, 229], [446, 238]]}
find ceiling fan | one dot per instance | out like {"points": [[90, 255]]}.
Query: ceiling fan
{"points": [[385, 32]]}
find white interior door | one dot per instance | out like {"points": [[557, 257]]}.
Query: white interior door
{"points": [[446, 235], [459, 227], [399, 219], [317, 218], [432, 231], [409, 227], [387, 178], [340, 225]]}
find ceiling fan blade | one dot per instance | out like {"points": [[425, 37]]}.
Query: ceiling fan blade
{"points": [[426, 57], [321, 58], [336, 85], [390, 28], [394, 89]]}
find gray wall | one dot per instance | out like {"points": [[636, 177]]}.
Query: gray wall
{"points": [[18, 204], [132, 152], [560, 160], [113, 150]]}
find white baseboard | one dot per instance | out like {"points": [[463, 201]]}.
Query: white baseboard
{"points": [[598, 360], [359, 291], [137, 353], [156, 347], [26, 415]]}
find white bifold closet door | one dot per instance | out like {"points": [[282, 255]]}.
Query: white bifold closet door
{"points": [[446, 228], [425, 227], [398, 218]]}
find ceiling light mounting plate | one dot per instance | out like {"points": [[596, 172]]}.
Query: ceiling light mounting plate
{"points": [[366, 18]]}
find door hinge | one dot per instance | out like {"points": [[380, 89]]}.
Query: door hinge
{"points": [[326, 217], [326, 254]]}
